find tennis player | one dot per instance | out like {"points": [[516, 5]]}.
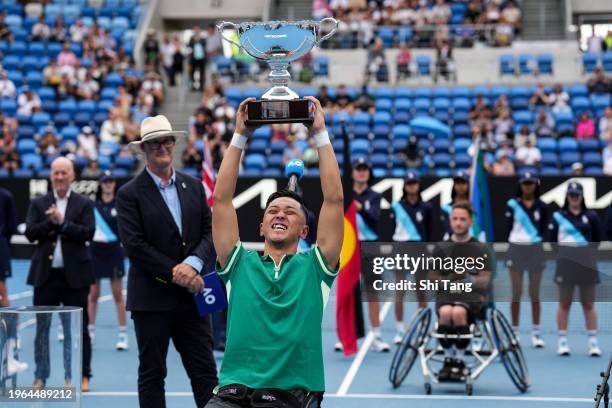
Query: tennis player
{"points": [[274, 349]]}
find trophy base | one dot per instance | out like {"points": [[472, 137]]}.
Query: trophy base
{"points": [[267, 112]]}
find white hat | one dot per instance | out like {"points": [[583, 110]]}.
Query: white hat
{"points": [[155, 127]]}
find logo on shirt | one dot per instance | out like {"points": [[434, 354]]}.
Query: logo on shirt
{"points": [[419, 216]]}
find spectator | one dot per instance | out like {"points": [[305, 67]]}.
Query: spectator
{"points": [[178, 57], [594, 44], [503, 166], [559, 100], [539, 98], [502, 105], [152, 84], [197, 61], [112, 129], [528, 154], [607, 158], [365, 101], [504, 127], [88, 143], [65, 89], [191, 157], [599, 84], [67, 60], [280, 131], [608, 41], [412, 155], [605, 125], [544, 124], [486, 141], [585, 128], [88, 88], [512, 14], [151, 49], [7, 87], [40, 30], [10, 159], [78, 31], [167, 59], [311, 155], [58, 32], [143, 107], [441, 12], [28, 102], [444, 58], [214, 46], [523, 136], [577, 170], [202, 125], [292, 151], [402, 61], [52, 74], [343, 101], [5, 30], [7, 141], [92, 170], [481, 107], [123, 102], [324, 98], [376, 59], [49, 143]]}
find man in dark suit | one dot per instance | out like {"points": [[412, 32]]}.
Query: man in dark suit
{"points": [[8, 226], [62, 222], [165, 227]]}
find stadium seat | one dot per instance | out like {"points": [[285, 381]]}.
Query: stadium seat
{"points": [[278, 146], [462, 131], [383, 105], [379, 160], [403, 92], [506, 65], [567, 158], [399, 145], [593, 171], [382, 118], [606, 61], [545, 64], [580, 104], [589, 145], [462, 160], [400, 132], [23, 173], [40, 119], [423, 65], [550, 171], [387, 35], [255, 161], [589, 62], [257, 146], [263, 132], [547, 144], [360, 132], [422, 106], [526, 64], [359, 147], [592, 159], [380, 146], [31, 161], [26, 146], [275, 161], [381, 131]]}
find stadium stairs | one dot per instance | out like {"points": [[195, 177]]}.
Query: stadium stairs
{"points": [[542, 19]]}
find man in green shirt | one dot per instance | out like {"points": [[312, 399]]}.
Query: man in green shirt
{"points": [[274, 353]]}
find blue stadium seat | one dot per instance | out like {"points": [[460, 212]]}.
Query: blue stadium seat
{"points": [[423, 65], [68, 106], [441, 145], [461, 145], [600, 102], [255, 161], [523, 117], [398, 172], [13, 21], [61, 119], [11, 62], [53, 49], [506, 65], [360, 119], [498, 91], [258, 146], [86, 105], [461, 104], [382, 118], [589, 145], [462, 160], [40, 119], [383, 105], [338, 145], [70, 132], [278, 146], [379, 172], [545, 64], [46, 93], [387, 35], [82, 119], [564, 118], [550, 171], [593, 171], [9, 107], [113, 80], [108, 93], [404, 35], [400, 132], [606, 61], [568, 158], [31, 161], [379, 160], [26, 146], [461, 92], [105, 105], [26, 132], [547, 144], [359, 147], [441, 104], [442, 116], [425, 145], [526, 64], [271, 172], [577, 90], [381, 131], [549, 159], [403, 92], [403, 105], [462, 131], [592, 159], [252, 172], [43, 173], [275, 160], [580, 104], [422, 106], [380, 146], [23, 173], [399, 145], [589, 62], [263, 132], [360, 132], [34, 79]]}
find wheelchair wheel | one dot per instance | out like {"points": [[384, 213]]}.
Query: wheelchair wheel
{"points": [[510, 351], [407, 352], [3, 357]]}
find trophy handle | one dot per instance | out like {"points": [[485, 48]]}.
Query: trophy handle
{"points": [[226, 24], [332, 32]]}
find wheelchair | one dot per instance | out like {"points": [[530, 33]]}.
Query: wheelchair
{"points": [[491, 330]]}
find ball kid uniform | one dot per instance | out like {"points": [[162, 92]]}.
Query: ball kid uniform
{"points": [[106, 250], [526, 231]]}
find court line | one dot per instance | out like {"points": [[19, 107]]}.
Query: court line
{"points": [[376, 396], [363, 350]]}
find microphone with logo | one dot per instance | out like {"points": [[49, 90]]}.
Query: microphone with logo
{"points": [[294, 171]]}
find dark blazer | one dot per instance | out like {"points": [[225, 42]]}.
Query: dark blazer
{"points": [[78, 228], [152, 240], [8, 226]]}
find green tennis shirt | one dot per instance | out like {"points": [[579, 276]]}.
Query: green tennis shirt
{"points": [[274, 319]]}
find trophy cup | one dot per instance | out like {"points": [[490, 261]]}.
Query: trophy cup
{"points": [[278, 43]]}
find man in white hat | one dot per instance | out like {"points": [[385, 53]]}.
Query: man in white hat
{"points": [[165, 226]]}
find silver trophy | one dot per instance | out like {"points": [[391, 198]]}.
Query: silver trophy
{"points": [[278, 43]]}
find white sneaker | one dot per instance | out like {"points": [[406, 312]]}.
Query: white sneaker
{"points": [[14, 367], [536, 341], [379, 345], [92, 337], [338, 347], [563, 347], [398, 337], [122, 343], [594, 350], [60, 334]]}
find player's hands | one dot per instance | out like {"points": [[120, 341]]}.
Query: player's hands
{"points": [[196, 285], [241, 117], [183, 274], [55, 215], [316, 109]]}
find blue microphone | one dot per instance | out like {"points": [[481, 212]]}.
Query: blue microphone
{"points": [[294, 170]]}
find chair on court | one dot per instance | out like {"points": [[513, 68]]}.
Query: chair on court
{"points": [[496, 340]]}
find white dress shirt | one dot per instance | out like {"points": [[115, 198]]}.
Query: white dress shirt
{"points": [[58, 257]]}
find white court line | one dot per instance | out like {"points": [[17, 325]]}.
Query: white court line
{"points": [[377, 396], [363, 350]]}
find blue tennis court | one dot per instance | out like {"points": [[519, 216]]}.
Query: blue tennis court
{"points": [[362, 380]]}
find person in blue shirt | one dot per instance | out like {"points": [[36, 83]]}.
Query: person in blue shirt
{"points": [[8, 227], [368, 217], [108, 257], [460, 192], [573, 227], [527, 226], [412, 220]]}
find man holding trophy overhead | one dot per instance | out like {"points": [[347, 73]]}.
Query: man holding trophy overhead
{"points": [[274, 352]]}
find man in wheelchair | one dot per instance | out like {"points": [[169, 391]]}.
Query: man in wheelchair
{"points": [[462, 291]]}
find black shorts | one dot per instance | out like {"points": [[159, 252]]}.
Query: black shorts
{"points": [[525, 257], [576, 266], [108, 260]]}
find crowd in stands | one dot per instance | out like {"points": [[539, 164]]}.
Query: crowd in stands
{"points": [[70, 86], [421, 22]]}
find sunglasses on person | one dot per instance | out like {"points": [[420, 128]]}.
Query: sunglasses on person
{"points": [[156, 144]]}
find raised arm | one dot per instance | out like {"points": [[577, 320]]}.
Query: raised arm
{"points": [[224, 219], [330, 231]]}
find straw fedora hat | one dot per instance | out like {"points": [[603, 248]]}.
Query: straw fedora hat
{"points": [[155, 127]]}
